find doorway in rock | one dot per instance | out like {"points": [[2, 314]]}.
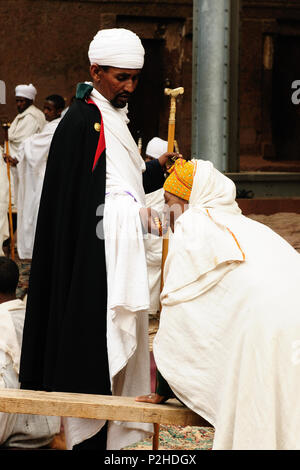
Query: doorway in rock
{"points": [[145, 106], [285, 114]]}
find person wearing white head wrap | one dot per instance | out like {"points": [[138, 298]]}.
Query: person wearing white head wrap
{"points": [[228, 339], [94, 197], [26, 91], [117, 47], [29, 120], [156, 147]]}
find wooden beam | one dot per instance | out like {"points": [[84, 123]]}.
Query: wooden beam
{"points": [[112, 408]]}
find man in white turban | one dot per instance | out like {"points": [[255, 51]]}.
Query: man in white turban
{"points": [[95, 324], [28, 121]]}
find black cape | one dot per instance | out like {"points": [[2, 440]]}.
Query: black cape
{"points": [[64, 340]]}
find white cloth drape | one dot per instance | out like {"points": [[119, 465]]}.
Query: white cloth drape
{"points": [[32, 156], [230, 321], [25, 124], [128, 291], [153, 245]]}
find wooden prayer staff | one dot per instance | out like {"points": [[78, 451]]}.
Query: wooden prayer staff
{"points": [[165, 245], [11, 230], [171, 140], [176, 146]]}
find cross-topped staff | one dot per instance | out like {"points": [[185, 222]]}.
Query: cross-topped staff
{"points": [[6, 126], [171, 140]]}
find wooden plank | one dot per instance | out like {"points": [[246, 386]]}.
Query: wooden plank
{"points": [[97, 406]]}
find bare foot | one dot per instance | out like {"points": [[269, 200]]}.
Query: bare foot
{"points": [[152, 398]]}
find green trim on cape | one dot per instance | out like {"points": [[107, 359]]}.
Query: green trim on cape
{"points": [[83, 90]]}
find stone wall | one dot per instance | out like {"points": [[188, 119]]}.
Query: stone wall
{"points": [[269, 121], [45, 42]]}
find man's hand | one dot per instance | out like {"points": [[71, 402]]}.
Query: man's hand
{"points": [[8, 159], [151, 398], [168, 159], [151, 221]]}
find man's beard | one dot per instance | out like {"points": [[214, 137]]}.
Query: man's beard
{"points": [[120, 104]]}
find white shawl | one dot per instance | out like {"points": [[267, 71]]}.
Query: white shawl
{"points": [[228, 341], [25, 124], [205, 247]]}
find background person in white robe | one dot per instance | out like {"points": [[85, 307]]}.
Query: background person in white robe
{"points": [[17, 430], [228, 340], [31, 163], [4, 196], [155, 148], [28, 121]]}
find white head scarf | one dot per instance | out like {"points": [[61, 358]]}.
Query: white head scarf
{"points": [[212, 190], [26, 91], [156, 147], [117, 47], [203, 248]]}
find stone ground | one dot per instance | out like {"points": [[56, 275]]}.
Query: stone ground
{"points": [[285, 224]]}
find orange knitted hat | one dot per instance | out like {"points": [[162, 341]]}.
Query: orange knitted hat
{"points": [[180, 181]]}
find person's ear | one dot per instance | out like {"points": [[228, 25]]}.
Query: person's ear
{"points": [[96, 72]]}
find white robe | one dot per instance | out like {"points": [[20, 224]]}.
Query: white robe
{"points": [[32, 156], [127, 280], [228, 342], [25, 124], [4, 196]]}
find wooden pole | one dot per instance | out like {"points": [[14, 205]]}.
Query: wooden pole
{"points": [[11, 230]]}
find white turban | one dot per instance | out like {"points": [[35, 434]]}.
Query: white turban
{"points": [[156, 147], [26, 91], [117, 47]]}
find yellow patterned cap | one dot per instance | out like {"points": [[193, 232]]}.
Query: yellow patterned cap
{"points": [[180, 181]]}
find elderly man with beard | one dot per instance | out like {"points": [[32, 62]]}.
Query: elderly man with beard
{"points": [[86, 327]]}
